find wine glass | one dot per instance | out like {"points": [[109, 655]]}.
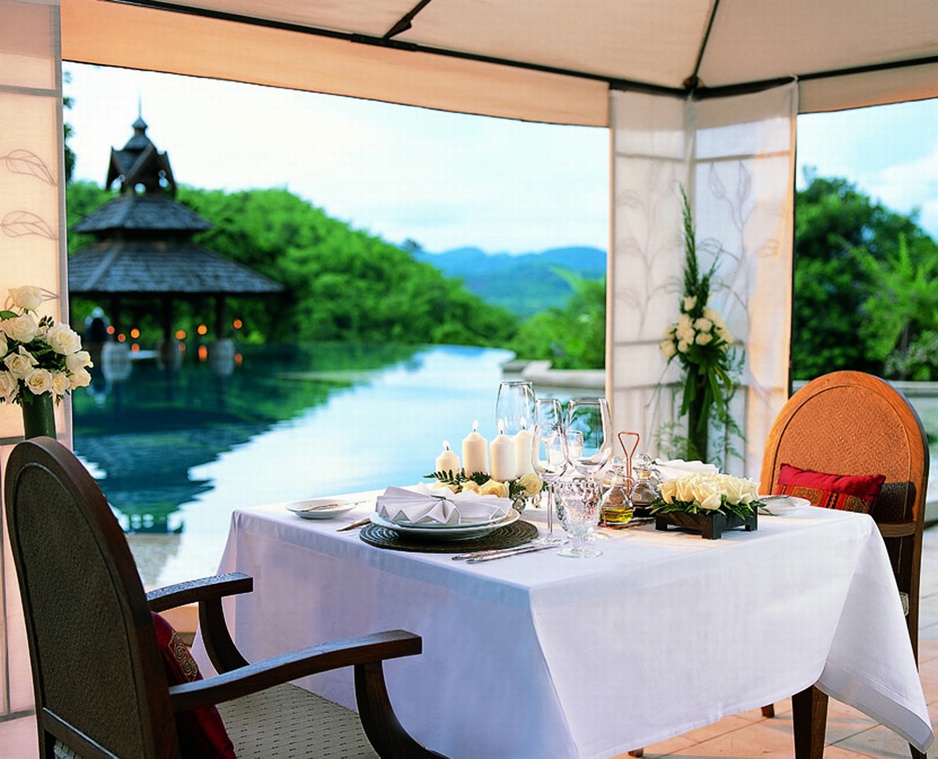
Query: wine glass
{"points": [[514, 406], [550, 449], [590, 416], [579, 496]]}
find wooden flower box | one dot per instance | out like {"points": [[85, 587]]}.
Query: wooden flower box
{"points": [[710, 525]]}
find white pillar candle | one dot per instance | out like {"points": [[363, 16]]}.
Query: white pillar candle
{"points": [[447, 461], [524, 451], [475, 452], [502, 457]]}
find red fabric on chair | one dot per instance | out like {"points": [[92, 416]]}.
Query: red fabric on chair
{"points": [[849, 492], [202, 733]]}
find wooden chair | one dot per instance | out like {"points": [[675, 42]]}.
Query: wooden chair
{"points": [[854, 423], [100, 685]]}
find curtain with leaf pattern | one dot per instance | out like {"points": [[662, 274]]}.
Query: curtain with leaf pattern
{"points": [[735, 158], [32, 250]]}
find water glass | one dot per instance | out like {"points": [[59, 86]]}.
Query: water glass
{"points": [[579, 498], [590, 417], [514, 406]]}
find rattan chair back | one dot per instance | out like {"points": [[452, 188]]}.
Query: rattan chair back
{"points": [[98, 679]]}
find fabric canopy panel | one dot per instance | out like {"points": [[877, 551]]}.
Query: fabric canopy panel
{"points": [[32, 250], [735, 158], [540, 60]]}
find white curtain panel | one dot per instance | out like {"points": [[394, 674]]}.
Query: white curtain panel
{"points": [[32, 249], [735, 158]]}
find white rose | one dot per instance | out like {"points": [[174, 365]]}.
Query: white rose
{"points": [[63, 339], [703, 324], [734, 490], [703, 338], [27, 296], [668, 489], [713, 315], [78, 360], [684, 490], [39, 381], [667, 348], [81, 378], [61, 384], [682, 346], [712, 502], [9, 386], [20, 363], [22, 328], [4, 345], [689, 302]]}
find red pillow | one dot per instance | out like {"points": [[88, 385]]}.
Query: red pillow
{"points": [[849, 492], [201, 732]]}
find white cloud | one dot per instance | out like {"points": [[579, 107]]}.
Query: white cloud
{"points": [[445, 180]]}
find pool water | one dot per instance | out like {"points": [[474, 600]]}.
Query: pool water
{"points": [[176, 452]]}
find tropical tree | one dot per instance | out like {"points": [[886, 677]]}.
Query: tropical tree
{"points": [[839, 232]]}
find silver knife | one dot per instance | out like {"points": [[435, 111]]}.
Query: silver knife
{"points": [[504, 552]]}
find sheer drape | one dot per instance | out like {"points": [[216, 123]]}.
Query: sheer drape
{"points": [[32, 247], [735, 157]]}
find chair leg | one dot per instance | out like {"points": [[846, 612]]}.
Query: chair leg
{"points": [[916, 754], [637, 752], [809, 718], [768, 711]]}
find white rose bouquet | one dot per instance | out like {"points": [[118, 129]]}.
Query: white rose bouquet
{"points": [[703, 492], [37, 355], [702, 343]]}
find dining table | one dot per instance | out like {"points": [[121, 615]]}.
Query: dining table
{"points": [[538, 655]]}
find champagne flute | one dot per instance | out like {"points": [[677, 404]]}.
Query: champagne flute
{"points": [[550, 450], [514, 406]]}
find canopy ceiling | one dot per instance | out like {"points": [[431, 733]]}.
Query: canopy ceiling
{"points": [[550, 60]]}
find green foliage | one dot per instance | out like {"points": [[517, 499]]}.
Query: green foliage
{"points": [[571, 336], [853, 281], [342, 284]]}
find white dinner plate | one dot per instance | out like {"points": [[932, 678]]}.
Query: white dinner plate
{"points": [[444, 531], [319, 508], [441, 526], [779, 504]]}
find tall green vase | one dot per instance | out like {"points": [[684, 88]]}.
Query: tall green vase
{"points": [[38, 416]]}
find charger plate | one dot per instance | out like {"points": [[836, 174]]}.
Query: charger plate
{"points": [[509, 536]]}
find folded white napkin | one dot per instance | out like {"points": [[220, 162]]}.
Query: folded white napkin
{"points": [[425, 506], [675, 468]]}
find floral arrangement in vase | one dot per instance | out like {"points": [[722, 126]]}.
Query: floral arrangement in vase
{"points": [[707, 492], [41, 360], [702, 343]]}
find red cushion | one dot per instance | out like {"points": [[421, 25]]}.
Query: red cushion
{"points": [[850, 492], [201, 732]]}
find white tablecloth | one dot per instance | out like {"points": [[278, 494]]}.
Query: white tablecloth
{"points": [[539, 655]]}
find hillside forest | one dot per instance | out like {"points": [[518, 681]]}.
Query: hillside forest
{"points": [[866, 284]]}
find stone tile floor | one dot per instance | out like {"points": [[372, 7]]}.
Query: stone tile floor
{"points": [[742, 736]]}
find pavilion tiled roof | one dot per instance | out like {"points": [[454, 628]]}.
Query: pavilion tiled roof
{"points": [[149, 212], [160, 266]]}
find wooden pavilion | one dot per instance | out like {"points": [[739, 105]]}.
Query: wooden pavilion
{"points": [[143, 251]]}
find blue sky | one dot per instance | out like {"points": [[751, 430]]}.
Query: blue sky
{"points": [[444, 180]]}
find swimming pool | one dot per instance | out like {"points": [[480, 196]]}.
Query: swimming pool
{"points": [[176, 453]]}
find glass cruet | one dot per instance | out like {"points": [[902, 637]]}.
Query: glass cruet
{"points": [[646, 479], [616, 504]]}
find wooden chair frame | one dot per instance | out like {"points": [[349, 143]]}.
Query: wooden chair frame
{"points": [[44, 481]]}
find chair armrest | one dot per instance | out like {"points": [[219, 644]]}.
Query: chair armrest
{"points": [[208, 592], [897, 529], [194, 591], [277, 670]]}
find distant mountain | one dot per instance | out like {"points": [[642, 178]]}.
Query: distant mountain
{"points": [[525, 283]]}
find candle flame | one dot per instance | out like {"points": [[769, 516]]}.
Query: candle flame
{"points": [[475, 425], [501, 426], [524, 423], [446, 445]]}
